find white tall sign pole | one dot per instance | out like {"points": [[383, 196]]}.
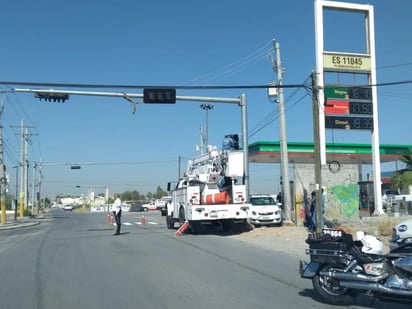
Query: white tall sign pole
{"points": [[335, 61]]}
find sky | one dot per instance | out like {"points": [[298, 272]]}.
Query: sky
{"points": [[176, 43]]}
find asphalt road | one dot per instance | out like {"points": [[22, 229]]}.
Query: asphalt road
{"points": [[74, 261]]}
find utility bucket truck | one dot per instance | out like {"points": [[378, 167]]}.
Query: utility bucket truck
{"points": [[211, 192]]}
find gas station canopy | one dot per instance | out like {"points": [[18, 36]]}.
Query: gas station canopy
{"points": [[303, 152]]}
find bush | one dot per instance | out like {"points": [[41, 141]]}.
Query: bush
{"points": [[26, 213]]}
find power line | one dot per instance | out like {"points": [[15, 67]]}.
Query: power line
{"points": [[238, 65], [199, 87], [44, 164], [395, 65], [106, 86], [274, 115]]}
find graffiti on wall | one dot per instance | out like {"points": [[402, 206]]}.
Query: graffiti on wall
{"points": [[340, 201], [302, 206], [344, 199]]}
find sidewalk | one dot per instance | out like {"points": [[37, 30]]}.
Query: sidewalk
{"points": [[285, 239], [12, 224]]}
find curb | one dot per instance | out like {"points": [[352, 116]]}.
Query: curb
{"points": [[13, 226]]}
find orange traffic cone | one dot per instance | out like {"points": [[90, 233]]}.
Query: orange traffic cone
{"points": [[143, 220], [182, 229], [110, 219]]}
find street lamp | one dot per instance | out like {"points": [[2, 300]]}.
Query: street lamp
{"points": [[207, 108]]}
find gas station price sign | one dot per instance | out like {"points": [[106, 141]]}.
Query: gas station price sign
{"points": [[348, 108], [360, 108], [360, 93], [349, 122], [348, 93]]}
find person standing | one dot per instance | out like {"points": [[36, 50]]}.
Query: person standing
{"points": [[307, 205], [312, 225], [117, 212]]}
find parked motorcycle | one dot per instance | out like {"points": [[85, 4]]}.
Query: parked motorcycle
{"points": [[341, 268]]}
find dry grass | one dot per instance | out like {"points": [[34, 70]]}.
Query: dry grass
{"points": [[384, 227], [378, 226]]}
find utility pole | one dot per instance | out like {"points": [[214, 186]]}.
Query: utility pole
{"points": [[283, 141], [317, 156], [2, 175], [22, 172], [26, 168], [34, 199], [16, 203], [24, 165], [38, 196]]}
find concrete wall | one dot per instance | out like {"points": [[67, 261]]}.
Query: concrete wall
{"points": [[340, 191]]}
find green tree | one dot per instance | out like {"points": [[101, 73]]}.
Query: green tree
{"points": [[125, 196], [9, 199], [159, 192], [131, 196], [46, 202], [403, 178], [136, 196]]}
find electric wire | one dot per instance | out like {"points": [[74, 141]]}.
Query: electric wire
{"points": [[234, 67], [187, 87], [274, 115]]}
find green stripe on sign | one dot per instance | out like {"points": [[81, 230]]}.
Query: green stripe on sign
{"points": [[336, 92]]}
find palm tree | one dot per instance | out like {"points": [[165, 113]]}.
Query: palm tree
{"points": [[403, 178]]}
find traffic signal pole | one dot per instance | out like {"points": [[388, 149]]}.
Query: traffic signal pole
{"points": [[155, 95]]}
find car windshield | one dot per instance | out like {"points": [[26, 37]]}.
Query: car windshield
{"points": [[262, 201]]}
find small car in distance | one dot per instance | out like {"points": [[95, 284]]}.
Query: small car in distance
{"points": [[68, 207], [264, 211], [136, 208]]}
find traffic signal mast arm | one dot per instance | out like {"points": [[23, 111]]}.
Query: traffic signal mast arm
{"points": [[127, 96], [240, 101]]}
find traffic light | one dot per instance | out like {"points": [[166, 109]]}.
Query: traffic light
{"points": [[159, 96], [51, 97]]}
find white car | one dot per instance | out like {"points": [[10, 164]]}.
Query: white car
{"points": [[264, 210], [68, 207]]}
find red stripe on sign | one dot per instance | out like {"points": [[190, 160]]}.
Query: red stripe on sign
{"points": [[338, 107]]}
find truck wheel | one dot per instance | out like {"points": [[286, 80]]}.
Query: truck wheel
{"points": [[181, 216], [195, 226], [227, 225], [243, 226], [170, 223]]}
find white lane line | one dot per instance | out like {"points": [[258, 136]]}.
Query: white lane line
{"points": [[149, 222]]}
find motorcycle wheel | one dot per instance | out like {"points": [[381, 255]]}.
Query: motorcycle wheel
{"points": [[329, 289]]}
